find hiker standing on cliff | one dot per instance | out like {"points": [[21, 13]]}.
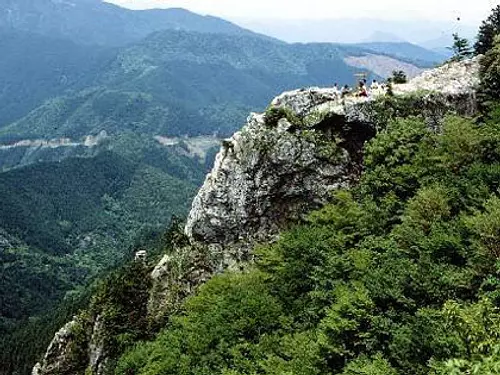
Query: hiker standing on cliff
{"points": [[345, 91], [336, 90]]}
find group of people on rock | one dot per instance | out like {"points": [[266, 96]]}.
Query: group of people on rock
{"points": [[362, 91]]}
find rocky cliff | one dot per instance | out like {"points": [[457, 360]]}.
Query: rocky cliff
{"points": [[309, 143], [283, 163]]}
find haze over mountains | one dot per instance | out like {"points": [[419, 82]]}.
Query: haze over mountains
{"points": [[110, 118], [425, 33]]}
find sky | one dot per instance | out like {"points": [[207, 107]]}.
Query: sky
{"points": [[470, 11]]}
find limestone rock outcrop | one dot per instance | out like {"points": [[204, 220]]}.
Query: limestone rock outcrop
{"points": [[309, 143], [59, 358], [457, 78], [269, 173]]}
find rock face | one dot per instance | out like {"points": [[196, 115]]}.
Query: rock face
{"points": [[59, 358], [281, 164], [457, 78], [177, 276], [77, 348], [271, 171], [307, 145]]}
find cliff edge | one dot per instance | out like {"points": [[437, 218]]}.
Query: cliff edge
{"points": [[309, 143]]}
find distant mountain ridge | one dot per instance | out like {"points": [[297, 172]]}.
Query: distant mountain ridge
{"points": [[101, 23], [49, 49]]}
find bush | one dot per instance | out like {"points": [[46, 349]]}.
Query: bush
{"points": [[398, 77]]}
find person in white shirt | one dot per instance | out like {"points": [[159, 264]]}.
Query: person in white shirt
{"points": [[336, 90]]}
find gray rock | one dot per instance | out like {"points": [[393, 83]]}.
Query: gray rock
{"points": [[265, 176], [60, 357], [456, 78], [276, 167], [97, 354], [177, 276]]}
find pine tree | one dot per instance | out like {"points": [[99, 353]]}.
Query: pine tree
{"points": [[487, 32], [461, 48]]}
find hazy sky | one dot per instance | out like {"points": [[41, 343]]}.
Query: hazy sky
{"points": [[470, 11]]}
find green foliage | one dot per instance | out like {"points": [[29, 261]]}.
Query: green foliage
{"points": [[120, 304], [396, 276], [461, 48], [274, 114], [486, 226], [343, 330], [475, 329], [220, 329], [369, 366], [489, 29], [489, 90], [49, 251], [428, 105], [398, 77]]}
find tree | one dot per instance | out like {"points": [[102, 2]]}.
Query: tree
{"points": [[461, 48], [489, 90], [487, 32], [399, 76]]}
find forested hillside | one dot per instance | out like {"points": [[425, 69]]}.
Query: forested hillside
{"points": [[186, 83], [91, 98], [96, 22], [63, 223]]}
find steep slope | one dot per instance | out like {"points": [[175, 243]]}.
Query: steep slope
{"points": [[279, 166], [62, 223], [97, 22], [397, 275]]}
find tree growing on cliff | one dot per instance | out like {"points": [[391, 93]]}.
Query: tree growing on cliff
{"points": [[487, 32], [461, 48]]}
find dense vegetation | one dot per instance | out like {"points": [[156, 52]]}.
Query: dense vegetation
{"points": [[63, 223], [397, 276], [487, 32]]}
